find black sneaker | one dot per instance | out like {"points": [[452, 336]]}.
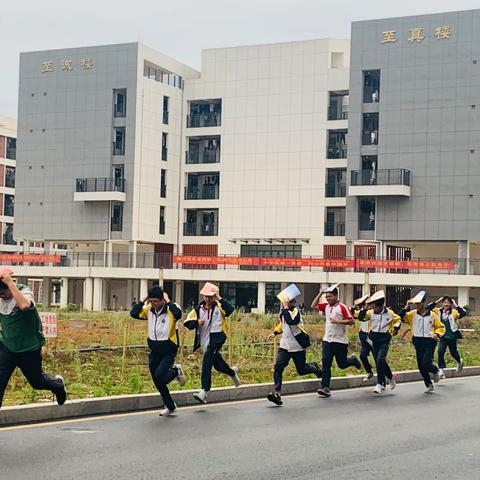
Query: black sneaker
{"points": [[274, 398], [318, 373], [60, 395], [324, 391], [356, 362]]}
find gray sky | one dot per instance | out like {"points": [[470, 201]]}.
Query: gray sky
{"points": [[182, 28]]}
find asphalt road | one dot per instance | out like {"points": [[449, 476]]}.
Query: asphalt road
{"points": [[405, 434]]}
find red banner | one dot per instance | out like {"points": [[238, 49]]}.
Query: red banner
{"points": [[29, 258], [314, 262]]}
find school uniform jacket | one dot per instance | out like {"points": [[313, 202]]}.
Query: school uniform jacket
{"points": [[450, 319], [291, 324], [423, 326], [162, 325], [363, 323], [384, 322], [335, 333], [215, 320]]}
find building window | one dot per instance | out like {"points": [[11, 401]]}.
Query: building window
{"points": [[119, 141], [338, 105], [162, 221], [272, 303], [271, 251], [11, 153], [366, 214], [117, 217], [337, 143], [164, 146], [205, 113], [203, 150], [336, 185], [8, 234], [201, 223], [163, 183], [335, 222], [166, 102], [153, 72], [370, 129], [202, 186], [371, 86], [10, 177], [120, 103], [8, 207]]}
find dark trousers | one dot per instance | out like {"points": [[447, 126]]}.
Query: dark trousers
{"points": [[30, 363], [365, 350], [212, 358], [283, 358], [160, 362], [425, 349], [451, 344], [331, 350], [381, 344]]}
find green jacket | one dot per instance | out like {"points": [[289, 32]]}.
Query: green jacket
{"points": [[21, 331]]}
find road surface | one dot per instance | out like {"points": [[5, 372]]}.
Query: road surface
{"points": [[405, 434]]}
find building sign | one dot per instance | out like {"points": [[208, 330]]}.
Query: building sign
{"points": [[67, 65], [314, 262], [416, 34], [29, 258], [49, 324]]}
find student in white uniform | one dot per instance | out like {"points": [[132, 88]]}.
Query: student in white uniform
{"points": [[209, 322], [427, 329], [162, 315], [293, 344], [366, 345], [383, 323], [335, 340]]}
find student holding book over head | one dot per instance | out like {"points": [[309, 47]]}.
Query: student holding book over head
{"points": [[293, 343]]}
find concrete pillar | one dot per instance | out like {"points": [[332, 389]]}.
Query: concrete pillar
{"points": [[261, 293], [130, 293], [366, 284], [47, 292], [463, 296], [143, 289], [64, 293], [97, 302], [88, 294], [108, 251], [132, 253], [349, 249], [347, 298], [464, 257], [179, 292]]}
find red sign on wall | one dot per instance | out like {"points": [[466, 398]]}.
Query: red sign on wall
{"points": [[29, 258]]}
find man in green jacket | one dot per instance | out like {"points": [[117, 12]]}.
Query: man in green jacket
{"points": [[21, 339]]}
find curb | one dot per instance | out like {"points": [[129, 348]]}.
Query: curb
{"points": [[43, 412]]}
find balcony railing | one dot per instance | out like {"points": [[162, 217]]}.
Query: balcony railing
{"points": [[334, 229], [209, 156], [100, 185], [10, 180], [199, 229], [371, 95], [8, 210], [337, 189], [394, 176], [206, 192], [198, 120], [338, 113], [337, 151], [370, 137]]}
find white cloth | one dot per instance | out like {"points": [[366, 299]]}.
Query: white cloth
{"points": [[8, 306], [288, 341], [213, 324], [334, 332]]}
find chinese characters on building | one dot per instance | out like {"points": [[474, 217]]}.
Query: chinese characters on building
{"points": [[67, 65], [416, 34]]}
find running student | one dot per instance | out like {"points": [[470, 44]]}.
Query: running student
{"points": [[293, 344], [21, 339], [209, 322], [335, 340], [449, 314], [366, 345], [426, 330], [162, 315], [382, 324]]}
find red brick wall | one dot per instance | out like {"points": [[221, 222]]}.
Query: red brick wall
{"points": [[2, 146]]}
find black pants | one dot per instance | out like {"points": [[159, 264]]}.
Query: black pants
{"points": [[160, 361], [30, 363], [425, 349], [381, 344], [213, 359], [451, 344], [283, 358], [331, 350], [365, 350]]}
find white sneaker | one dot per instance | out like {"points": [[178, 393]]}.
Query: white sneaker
{"points": [[378, 389], [236, 378], [430, 388], [181, 379], [166, 412], [441, 374], [436, 377], [393, 381], [460, 366], [367, 377], [201, 396]]}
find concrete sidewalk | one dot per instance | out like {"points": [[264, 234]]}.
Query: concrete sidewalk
{"points": [[42, 412]]}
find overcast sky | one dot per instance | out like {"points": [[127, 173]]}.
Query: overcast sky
{"points": [[182, 28]]}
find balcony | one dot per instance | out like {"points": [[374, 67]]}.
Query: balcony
{"points": [[338, 105], [337, 151], [380, 183], [200, 229], [100, 190], [337, 143], [337, 113], [336, 190], [204, 113], [8, 210], [205, 192], [334, 229], [8, 239]]}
